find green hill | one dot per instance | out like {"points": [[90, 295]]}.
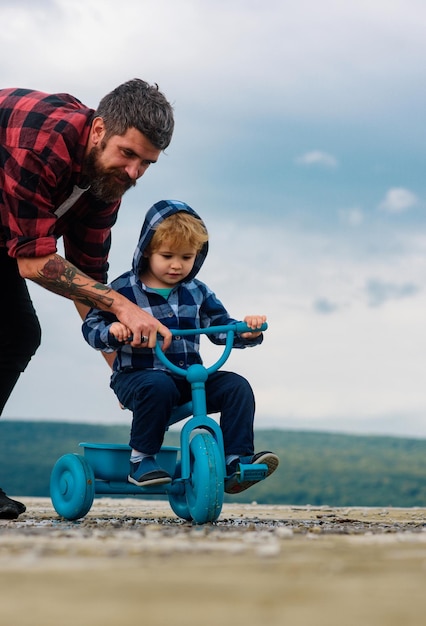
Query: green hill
{"points": [[316, 468]]}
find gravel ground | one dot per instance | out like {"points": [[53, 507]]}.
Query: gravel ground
{"points": [[133, 559]]}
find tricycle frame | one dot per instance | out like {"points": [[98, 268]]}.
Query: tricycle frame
{"points": [[198, 471]]}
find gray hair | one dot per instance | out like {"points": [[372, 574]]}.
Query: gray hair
{"points": [[136, 104]]}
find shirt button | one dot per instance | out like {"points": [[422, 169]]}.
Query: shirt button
{"points": [[181, 363], [171, 314], [178, 337]]}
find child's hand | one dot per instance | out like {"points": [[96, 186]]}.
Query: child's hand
{"points": [[120, 332], [253, 321]]}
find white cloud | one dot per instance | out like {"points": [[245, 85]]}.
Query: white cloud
{"points": [[317, 157], [398, 200], [286, 57]]}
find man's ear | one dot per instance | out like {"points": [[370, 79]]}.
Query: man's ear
{"points": [[97, 131]]}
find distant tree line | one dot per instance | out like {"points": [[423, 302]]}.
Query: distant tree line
{"points": [[316, 468]]}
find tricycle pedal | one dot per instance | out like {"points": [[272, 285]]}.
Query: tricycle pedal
{"points": [[252, 473]]}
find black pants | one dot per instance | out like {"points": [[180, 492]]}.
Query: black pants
{"points": [[151, 395], [20, 332]]}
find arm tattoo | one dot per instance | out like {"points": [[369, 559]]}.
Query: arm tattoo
{"points": [[60, 277]]}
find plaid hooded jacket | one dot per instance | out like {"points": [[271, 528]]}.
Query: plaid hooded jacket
{"points": [[191, 304]]}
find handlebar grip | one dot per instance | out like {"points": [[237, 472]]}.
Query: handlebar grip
{"points": [[241, 327]]}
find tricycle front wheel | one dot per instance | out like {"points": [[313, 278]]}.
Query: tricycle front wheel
{"points": [[205, 489]]}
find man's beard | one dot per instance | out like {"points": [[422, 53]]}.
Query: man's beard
{"points": [[103, 181]]}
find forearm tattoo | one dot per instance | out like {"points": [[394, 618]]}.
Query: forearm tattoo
{"points": [[63, 278]]}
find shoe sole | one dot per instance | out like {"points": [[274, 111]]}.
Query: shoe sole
{"points": [[162, 480], [9, 512], [233, 486]]}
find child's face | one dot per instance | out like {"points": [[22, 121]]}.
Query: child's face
{"points": [[167, 267]]}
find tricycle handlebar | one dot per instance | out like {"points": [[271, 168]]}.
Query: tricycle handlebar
{"points": [[236, 327], [229, 329]]}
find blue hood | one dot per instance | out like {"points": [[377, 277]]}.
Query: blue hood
{"points": [[156, 214]]}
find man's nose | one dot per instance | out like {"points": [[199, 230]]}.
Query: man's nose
{"points": [[135, 171]]}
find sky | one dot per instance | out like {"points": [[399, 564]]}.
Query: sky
{"points": [[301, 140]]}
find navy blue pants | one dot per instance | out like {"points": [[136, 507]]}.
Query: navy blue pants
{"points": [[151, 395], [20, 332]]}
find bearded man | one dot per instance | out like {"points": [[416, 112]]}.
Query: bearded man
{"points": [[63, 171]]}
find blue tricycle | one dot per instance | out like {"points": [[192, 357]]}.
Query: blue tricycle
{"points": [[196, 492]]}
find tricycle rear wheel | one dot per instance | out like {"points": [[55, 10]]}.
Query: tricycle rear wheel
{"points": [[72, 486]]}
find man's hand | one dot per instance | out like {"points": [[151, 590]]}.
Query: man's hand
{"points": [[143, 326]]}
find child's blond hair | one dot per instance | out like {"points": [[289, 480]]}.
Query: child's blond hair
{"points": [[179, 230]]}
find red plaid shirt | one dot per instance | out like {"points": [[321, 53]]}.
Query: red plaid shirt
{"points": [[42, 143]]}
